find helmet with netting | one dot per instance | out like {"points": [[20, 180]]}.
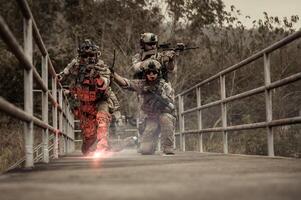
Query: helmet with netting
{"points": [[148, 38], [88, 46], [89, 51], [152, 65]]}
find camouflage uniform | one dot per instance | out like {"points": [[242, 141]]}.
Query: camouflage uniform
{"points": [[166, 59], [159, 118], [71, 70], [167, 67], [90, 86]]}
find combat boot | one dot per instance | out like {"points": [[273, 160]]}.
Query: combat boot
{"points": [[147, 148], [168, 152]]}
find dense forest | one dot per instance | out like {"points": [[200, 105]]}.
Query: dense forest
{"points": [[222, 38]]}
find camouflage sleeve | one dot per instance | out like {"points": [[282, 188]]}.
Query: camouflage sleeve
{"points": [[133, 85], [136, 63], [136, 58], [167, 59], [70, 67], [113, 97], [104, 72], [68, 70]]}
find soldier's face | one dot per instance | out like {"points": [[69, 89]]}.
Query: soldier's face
{"points": [[89, 58], [152, 76], [150, 46]]}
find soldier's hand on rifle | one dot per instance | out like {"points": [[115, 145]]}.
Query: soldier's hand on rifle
{"points": [[169, 56], [60, 76]]}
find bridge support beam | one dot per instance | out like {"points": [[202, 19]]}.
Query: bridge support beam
{"points": [[268, 104]]}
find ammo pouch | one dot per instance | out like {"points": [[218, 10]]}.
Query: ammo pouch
{"points": [[91, 90], [84, 94]]}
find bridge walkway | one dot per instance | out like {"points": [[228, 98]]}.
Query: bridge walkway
{"points": [[128, 175]]}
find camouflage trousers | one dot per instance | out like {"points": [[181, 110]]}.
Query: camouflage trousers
{"points": [[94, 125], [163, 124]]}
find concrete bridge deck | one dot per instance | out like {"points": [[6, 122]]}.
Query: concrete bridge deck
{"points": [[128, 175]]}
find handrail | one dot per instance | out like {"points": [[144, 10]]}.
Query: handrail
{"points": [[248, 60], [266, 89], [261, 89], [60, 108]]}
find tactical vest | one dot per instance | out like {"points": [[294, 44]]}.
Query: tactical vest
{"points": [[153, 100], [90, 86]]}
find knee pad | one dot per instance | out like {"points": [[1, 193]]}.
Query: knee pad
{"points": [[147, 148]]}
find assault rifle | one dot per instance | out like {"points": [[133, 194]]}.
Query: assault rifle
{"points": [[84, 71], [178, 47], [165, 102], [81, 73]]}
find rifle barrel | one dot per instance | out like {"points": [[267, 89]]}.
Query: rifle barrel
{"points": [[191, 48], [179, 49]]}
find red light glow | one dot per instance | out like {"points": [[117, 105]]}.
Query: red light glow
{"points": [[102, 154]]}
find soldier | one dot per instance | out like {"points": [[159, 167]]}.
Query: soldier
{"points": [[90, 85], [158, 99], [65, 74], [149, 49]]}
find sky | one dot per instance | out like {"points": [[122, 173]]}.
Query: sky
{"points": [[255, 9]]}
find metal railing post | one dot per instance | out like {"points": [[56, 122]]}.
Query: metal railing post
{"points": [[68, 128], [224, 112], [268, 103], [159, 143], [45, 109], [181, 123], [54, 118], [200, 125], [33, 78], [61, 128], [28, 94], [72, 131]]}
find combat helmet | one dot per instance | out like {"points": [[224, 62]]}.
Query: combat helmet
{"points": [[88, 50], [148, 38], [152, 65]]}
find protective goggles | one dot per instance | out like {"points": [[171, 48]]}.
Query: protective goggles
{"points": [[151, 71], [88, 55]]}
